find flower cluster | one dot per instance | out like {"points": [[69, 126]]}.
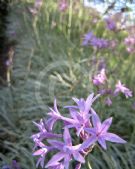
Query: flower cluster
{"points": [[110, 24], [100, 81], [91, 40], [130, 43], [100, 78], [88, 129]]}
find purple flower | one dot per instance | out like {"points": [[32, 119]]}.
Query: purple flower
{"points": [[66, 151], [110, 24], [100, 79], [42, 153], [81, 113], [89, 129], [100, 133], [99, 42], [15, 165], [58, 166], [108, 101], [43, 132], [84, 106], [119, 87], [92, 40], [87, 39], [55, 116]]}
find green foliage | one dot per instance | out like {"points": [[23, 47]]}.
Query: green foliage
{"points": [[50, 61]]}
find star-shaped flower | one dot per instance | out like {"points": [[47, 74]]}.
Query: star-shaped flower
{"points": [[100, 133], [81, 113], [43, 133], [121, 88], [66, 151]]}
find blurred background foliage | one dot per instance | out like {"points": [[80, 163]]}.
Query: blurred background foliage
{"points": [[50, 61]]}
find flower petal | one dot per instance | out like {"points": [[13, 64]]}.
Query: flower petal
{"points": [[88, 142], [102, 142], [113, 138], [72, 107], [90, 131], [106, 124], [78, 157], [66, 161], [55, 159], [56, 144], [88, 103], [96, 120], [40, 151], [52, 135], [67, 137]]}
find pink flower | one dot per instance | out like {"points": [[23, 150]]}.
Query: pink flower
{"points": [[63, 5], [130, 40], [100, 78], [130, 44], [119, 87]]}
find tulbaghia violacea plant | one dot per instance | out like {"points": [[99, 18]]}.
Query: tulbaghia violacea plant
{"points": [[88, 128], [91, 40]]}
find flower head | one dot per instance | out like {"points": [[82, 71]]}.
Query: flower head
{"points": [[81, 113], [66, 151], [100, 79], [119, 87], [43, 133], [91, 40], [42, 153], [88, 38], [130, 44], [88, 128], [110, 24], [100, 133]]}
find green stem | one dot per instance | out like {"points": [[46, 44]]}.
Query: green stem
{"points": [[70, 19]]}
